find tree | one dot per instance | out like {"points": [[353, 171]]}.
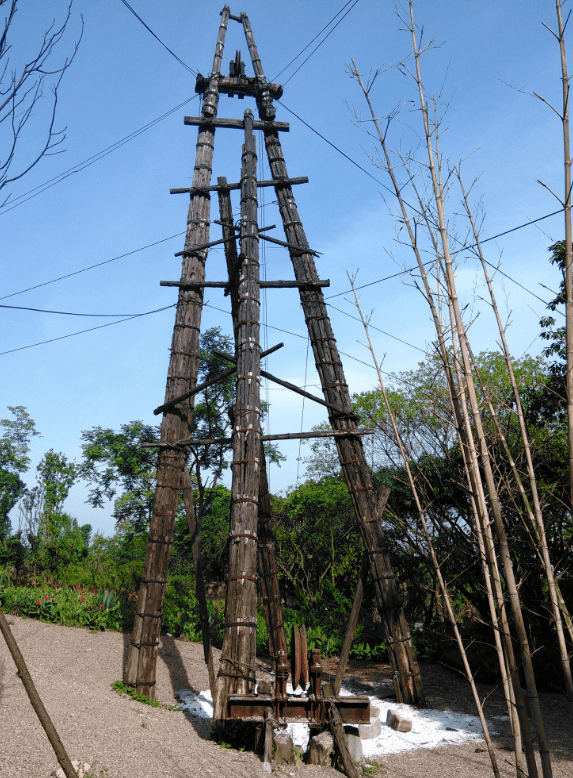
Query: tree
{"points": [[117, 462], [24, 81], [14, 461]]}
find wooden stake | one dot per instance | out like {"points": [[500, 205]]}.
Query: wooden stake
{"points": [[34, 698]]}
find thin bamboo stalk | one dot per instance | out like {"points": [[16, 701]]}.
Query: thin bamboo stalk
{"points": [[433, 556], [467, 448], [484, 453]]}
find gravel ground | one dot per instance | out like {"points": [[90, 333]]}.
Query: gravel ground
{"points": [[73, 670]]}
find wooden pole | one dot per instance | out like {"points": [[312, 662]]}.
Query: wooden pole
{"points": [[195, 536], [237, 664], [267, 566], [357, 475], [140, 670], [34, 698]]}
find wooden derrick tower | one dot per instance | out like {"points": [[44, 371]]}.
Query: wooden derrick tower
{"points": [[251, 550]]}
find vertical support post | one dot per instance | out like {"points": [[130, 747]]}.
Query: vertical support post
{"points": [[266, 546], [407, 678], [270, 584], [141, 663], [195, 536], [237, 664]]}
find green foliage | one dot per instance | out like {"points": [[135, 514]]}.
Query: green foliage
{"points": [[14, 460], [122, 688], [117, 460]]}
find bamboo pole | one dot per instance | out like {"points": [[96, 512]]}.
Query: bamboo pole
{"points": [[470, 458], [484, 453], [35, 699], [140, 670], [433, 557]]}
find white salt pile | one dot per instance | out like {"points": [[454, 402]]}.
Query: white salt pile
{"points": [[430, 728]]}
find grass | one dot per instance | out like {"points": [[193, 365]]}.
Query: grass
{"points": [[122, 688]]}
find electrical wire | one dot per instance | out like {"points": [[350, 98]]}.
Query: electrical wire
{"points": [[69, 313], [311, 42], [91, 329], [23, 198], [321, 42], [91, 267], [148, 28]]}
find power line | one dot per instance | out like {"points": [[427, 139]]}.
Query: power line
{"points": [[70, 313], [23, 198], [321, 42], [91, 329], [372, 327], [311, 42], [148, 28], [91, 267]]}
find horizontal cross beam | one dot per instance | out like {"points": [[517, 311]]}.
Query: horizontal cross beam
{"points": [[293, 388], [225, 187], [235, 124], [238, 85], [206, 384], [262, 284], [359, 431]]}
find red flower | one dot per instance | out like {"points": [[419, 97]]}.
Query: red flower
{"points": [[83, 599], [43, 587], [47, 597], [37, 602], [100, 605]]}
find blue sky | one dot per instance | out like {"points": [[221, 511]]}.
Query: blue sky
{"points": [[122, 79]]}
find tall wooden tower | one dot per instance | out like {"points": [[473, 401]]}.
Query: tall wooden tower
{"points": [[251, 555]]}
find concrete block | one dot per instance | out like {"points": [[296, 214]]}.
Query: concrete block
{"points": [[370, 731], [283, 748], [396, 722], [354, 743], [321, 747]]}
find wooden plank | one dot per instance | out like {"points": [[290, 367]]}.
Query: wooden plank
{"points": [[350, 628], [235, 85], [236, 124], [210, 382], [221, 187]]}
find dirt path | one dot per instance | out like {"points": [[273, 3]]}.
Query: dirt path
{"points": [[73, 670]]}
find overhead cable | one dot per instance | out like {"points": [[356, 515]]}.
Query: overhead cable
{"points": [[91, 329], [148, 28], [23, 198], [91, 267]]}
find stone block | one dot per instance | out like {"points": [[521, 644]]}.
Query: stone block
{"points": [[321, 747], [396, 722], [283, 748], [354, 743], [374, 711], [264, 687], [370, 731]]}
